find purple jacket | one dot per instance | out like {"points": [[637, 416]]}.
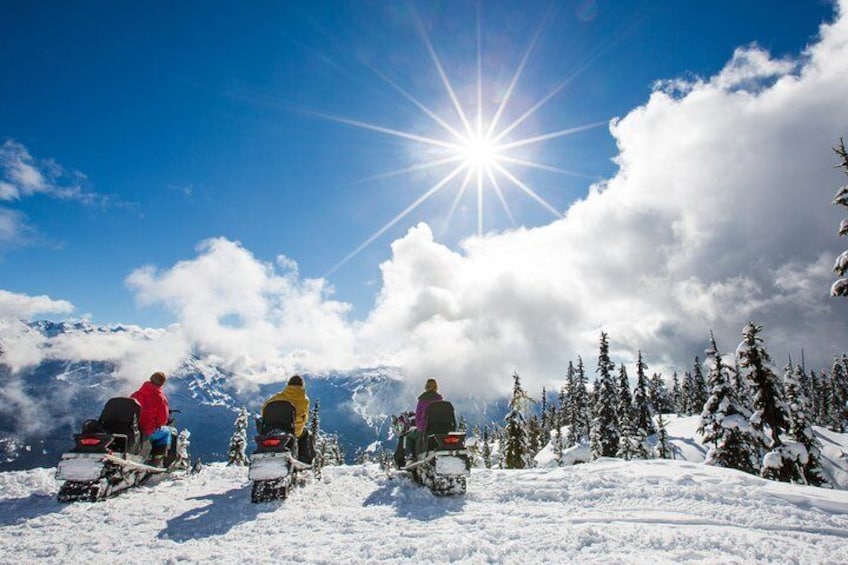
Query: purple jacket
{"points": [[421, 410]]}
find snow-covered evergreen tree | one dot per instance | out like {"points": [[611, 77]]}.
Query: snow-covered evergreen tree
{"points": [[800, 425], [628, 439], [544, 415], [687, 395], [658, 395], [642, 420], [486, 449], [663, 448], [563, 408], [838, 396], [515, 449], [725, 421], [535, 438], [840, 287], [579, 409], [624, 396], [558, 445], [605, 433], [314, 432], [825, 403], [632, 441], [676, 394], [237, 452], [699, 387], [567, 403], [771, 415]]}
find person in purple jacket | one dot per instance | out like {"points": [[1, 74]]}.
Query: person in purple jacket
{"points": [[430, 394]]}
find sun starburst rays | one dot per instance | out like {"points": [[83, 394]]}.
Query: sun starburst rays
{"points": [[477, 146]]}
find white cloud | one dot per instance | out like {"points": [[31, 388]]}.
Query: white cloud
{"points": [[22, 176], [720, 214], [260, 318], [23, 306]]}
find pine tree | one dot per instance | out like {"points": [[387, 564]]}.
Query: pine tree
{"points": [[579, 410], [314, 433], [627, 436], [486, 450], [535, 440], [237, 454], [605, 432], [658, 395], [543, 411], [699, 388], [559, 445], [838, 396], [630, 441], [800, 426], [824, 401], [687, 394], [676, 394], [724, 420], [840, 267], [515, 448], [641, 404], [771, 416], [663, 448], [625, 398]]}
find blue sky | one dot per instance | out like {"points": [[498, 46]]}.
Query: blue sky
{"points": [[228, 169], [193, 120]]}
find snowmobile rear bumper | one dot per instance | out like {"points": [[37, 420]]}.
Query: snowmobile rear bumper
{"points": [[80, 466], [269, 466]]}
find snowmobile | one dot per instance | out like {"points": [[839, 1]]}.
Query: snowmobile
{"points": [[109, 455], [274, 464], [440, 461]]}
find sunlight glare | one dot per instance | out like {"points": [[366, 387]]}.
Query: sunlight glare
{"points": [[479, 152]]}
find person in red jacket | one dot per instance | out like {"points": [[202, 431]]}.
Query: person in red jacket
{"points": [[155, 414]]}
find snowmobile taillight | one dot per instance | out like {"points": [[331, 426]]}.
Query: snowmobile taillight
{"points": [[452, 440], [271, 442], [89, 441]]}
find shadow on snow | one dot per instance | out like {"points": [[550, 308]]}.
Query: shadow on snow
{"points": [[413, 501], [224, 512], [16, 510]]}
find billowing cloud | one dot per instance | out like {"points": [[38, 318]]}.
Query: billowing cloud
{"points": [[719, 214], [260, 318]]}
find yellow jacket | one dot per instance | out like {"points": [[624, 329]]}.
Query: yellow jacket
{"points": [[297, 396]]}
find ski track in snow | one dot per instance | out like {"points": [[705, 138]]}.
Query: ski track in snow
{"points": [[609, 511]]}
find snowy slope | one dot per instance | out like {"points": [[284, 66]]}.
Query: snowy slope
{"points": [[610, 511]]}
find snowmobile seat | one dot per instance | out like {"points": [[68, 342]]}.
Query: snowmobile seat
{"points": [[278, 415], [120, 418], [440, 418]]}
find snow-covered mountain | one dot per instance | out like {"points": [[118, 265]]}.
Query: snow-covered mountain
{"points": [[45, 403]]}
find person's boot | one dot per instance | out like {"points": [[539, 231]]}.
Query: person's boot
{"points": [[157, 456]]}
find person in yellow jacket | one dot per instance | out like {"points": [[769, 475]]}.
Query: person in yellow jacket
{"points": [[295, 393]]}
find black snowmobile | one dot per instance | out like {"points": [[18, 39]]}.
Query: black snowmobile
{"points": [[109, 455], [439, 461], [274, 464]]}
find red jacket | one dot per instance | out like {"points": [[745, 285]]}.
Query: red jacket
{"points": [[154, 407]]}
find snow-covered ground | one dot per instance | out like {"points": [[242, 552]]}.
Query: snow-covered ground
{"points": [[609, 511]]}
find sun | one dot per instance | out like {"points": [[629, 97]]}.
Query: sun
{"points": [[479, 152], [473, 147]]}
